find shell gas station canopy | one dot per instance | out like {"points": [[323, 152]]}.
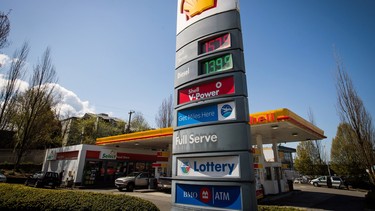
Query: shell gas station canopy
{"points": [[280, 125]]}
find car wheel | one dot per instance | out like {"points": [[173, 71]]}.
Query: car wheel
{"points": [[130, 187], [315, 184]]}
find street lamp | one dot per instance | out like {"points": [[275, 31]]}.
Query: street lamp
{"points": [[130, 116]]}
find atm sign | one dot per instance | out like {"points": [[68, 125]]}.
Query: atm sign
{"points": [[223, 197], [214, 88]]}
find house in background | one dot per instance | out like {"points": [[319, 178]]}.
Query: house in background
{"points": [[73, 133]]}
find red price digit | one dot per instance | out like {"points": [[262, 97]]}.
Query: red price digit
{"points": [[226, 38], [210, 45]]}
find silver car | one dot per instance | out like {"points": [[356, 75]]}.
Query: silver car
{"points": [[337, 182], [133, 180], [3, 178]]}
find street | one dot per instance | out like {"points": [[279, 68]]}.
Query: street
{"points": [[303, 196], [321, 198]]}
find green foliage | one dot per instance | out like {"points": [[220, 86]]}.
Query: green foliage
{"points": [[85, 130], [139, 123], [345, 157], [308, 160], [18, 197], [277, 208]]}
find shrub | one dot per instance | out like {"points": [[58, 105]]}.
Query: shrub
{"points": [[19, 197], [278, 208]]}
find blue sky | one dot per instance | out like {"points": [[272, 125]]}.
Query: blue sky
{"points": [[116, 56]]}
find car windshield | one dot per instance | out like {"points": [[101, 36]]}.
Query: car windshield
{"points": [[133, 174]]}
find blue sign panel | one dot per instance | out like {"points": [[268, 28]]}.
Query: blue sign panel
{"points": [[226, 197], [210, 113]]}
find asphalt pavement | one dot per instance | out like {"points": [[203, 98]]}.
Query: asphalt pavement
{"points": [[319, 198], [304, 196]]}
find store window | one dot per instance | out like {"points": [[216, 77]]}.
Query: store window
{"points": [[91, 172], [140, 166]]}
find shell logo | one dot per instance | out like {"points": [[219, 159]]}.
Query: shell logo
{"points": [[195, 7]]}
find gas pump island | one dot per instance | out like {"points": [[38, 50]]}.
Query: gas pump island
{"points": [[212, 166]]}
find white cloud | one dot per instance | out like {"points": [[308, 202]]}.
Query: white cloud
{"points": [[70, 104], [4, 60], [23, 85]]}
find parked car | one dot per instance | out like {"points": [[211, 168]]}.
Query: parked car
{"points": [[43, 179], [133, 180], [165, 184], [302, 180], [3, 178], [337, 182]]}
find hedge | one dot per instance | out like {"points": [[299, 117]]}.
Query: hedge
{"points": [[19, 197]]}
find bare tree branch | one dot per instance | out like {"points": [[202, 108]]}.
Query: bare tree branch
{"points": [[165, 116], [8, 94], [352, 111], [4, 29]]}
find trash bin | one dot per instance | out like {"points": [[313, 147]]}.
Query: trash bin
{"points": [[290, 184]]}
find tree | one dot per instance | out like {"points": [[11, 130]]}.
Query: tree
{"points": [[165, 116], [317, 143], [303, 162], [87, 129], [4, 29], [10, 91], [353, 112], [344, 156], [31, 107], [308, 161], [139, 123]]}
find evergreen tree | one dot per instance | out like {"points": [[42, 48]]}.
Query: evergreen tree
{"points": [[344, 155]]}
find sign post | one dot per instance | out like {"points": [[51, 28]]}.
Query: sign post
{"points": [[212, 166]]}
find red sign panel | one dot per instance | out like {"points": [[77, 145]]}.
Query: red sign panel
{"points": [[71, 155], [214, 88]]}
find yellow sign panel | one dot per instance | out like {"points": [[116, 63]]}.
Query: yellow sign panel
{"points": [[194, 7], [191, 11]]}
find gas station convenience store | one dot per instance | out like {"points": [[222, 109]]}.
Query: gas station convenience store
{"points": [[151, 151]]}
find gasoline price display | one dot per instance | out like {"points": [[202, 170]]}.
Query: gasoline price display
{"points": [[217, 64], [220, 42]]}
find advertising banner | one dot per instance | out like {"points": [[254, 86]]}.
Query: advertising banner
{"points": [[191, 11], [208, 113], [222, 86], [225, 197], [213, 167]]}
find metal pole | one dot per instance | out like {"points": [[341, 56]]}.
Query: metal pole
{"points": [[130, 116]]}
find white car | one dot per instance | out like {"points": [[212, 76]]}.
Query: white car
{"points": [[337, 182], [3, 178]]}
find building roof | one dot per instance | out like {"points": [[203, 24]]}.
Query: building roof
{"points": [[280, 125]]}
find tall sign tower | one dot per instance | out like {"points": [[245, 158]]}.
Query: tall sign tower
{"points": [[212, 164]]}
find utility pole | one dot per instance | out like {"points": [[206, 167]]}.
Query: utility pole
{"points": [[130, 116]]}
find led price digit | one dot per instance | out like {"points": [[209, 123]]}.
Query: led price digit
{"points": [[218, 64], [217, 43]]}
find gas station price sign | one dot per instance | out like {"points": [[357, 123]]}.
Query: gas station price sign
{"points": [[216, 43], [217, 64]]}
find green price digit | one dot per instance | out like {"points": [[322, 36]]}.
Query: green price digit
{"points": [[228, 62], [218, 64]]}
